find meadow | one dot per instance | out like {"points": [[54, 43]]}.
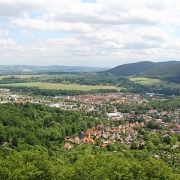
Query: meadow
{"points": [[156, 82], [42, 76], [44, 85]]}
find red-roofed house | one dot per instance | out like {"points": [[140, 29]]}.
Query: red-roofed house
{"points": [[67, 146]]}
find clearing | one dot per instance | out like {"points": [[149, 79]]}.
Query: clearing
{"points": [[44, 85], [156, 82]]}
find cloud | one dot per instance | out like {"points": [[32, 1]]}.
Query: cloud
{"points": [[102, 33], [50, 25], [11, 9], [154, 38], [8, 42]]}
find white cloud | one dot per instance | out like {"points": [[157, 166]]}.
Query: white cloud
{"points": [[44, 25], [8, 42], [104, 33]]}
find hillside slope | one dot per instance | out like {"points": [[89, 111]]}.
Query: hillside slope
{"points": [[163, 71], [169, 73], [139, 67], [132, 68]]}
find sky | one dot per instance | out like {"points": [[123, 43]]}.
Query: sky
{"points": [[95, 33]]}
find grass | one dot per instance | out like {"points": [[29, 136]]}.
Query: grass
{"points": [[28, 75], [4, 76], [156, 82], [60, 86], [22, 76], [42, 76]]}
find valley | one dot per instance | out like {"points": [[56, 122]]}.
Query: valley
{"points": [[154, 82], [63, 125]]}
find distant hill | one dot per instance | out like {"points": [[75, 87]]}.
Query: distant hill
{"points": [[139, 67], [132, 68], [24, 69], [164, 71], [170, 73]]}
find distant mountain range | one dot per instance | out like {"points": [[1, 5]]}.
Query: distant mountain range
{"points": [[24, 69], [143, 68], [169, 70]]}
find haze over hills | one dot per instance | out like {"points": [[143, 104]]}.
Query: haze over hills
{"points": [[140, 67], [25, 69]]}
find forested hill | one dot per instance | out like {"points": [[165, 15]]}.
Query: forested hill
{"points": [[132, 68], [163, 71], [32, 141], [139, 67], [170, 73]]}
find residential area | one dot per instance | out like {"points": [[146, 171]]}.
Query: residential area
{"points": [[120, 127]]}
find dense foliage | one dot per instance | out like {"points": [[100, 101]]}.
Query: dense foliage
{"points": [[132, 68], [164, 71], [169, 73], [161, 105], [174, 78], [32, 137], [146, 67], [54, 92]]}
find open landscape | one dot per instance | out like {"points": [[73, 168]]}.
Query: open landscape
{"points": [[44, 85], [89, 90], [155, 82]]}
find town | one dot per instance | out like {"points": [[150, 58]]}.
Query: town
{"points": [[121, 127]]}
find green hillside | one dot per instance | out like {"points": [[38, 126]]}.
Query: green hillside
{"points": [[164, 71], [32, 139], [139, 67], [133, 68], [170, 73]]}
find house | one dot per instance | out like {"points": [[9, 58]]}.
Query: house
{"points": [[155, 156], [13, 97], [116, 114], [68, 146], [19, 101], [77, 140], [90, 132], [88, 140]]}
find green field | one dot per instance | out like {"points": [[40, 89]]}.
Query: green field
{"points": [[41, 76], [4, 76], [28, 75], [156, 82], [60, 86]]}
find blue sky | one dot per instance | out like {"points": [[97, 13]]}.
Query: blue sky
{"points": [[101, 33]]}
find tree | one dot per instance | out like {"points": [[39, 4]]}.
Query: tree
{"points": [[15, 141], [134, 146]]}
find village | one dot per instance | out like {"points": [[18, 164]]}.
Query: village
{"points": [[121, 127], [127, 133]]}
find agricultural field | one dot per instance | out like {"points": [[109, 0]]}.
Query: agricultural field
{"points": [[44, 85], [4, 76], [22, 76], [156, 82], [28, 76], [41, 76]]}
